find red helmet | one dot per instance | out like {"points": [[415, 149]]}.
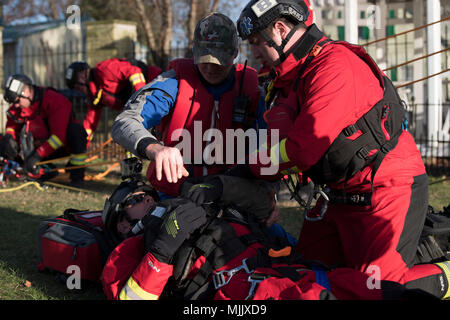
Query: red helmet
{"points": [[259, 14]]}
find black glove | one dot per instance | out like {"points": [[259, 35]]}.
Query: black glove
{"points": [[205, 192], [177, 226], [8, 147], [30, 163]]}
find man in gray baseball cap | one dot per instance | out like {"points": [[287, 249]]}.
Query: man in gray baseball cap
{"points": [[209, 91], [215, 40]]}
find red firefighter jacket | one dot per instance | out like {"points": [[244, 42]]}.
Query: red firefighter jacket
{"points": [[47, 119]]}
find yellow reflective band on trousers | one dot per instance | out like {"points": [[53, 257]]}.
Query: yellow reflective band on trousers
{"points": [[55, 142], [137, 78], [445, 267], [132, 291], [78, 159]]}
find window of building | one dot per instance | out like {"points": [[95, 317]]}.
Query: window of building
{"points": [[364, 33], [341, 33], [392, 14], [390, 30]]}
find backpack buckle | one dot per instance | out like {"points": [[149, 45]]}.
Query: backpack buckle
{"points": [[362, 153], [350, 130], [219, 277]]}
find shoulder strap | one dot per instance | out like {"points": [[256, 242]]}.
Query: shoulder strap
{"points": [[315, 50]]}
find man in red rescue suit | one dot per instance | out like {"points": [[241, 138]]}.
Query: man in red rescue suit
{"points": [[185, 250], [109, 84], [194, 98], [41, 126], [346, 133]]}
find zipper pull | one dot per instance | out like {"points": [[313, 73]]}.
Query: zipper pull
{"points": [[385, 112], [74, 255]]}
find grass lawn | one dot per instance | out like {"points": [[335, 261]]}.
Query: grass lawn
{"points": [[21, 211]]}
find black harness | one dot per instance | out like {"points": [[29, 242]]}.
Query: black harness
{"points": [[218, 243], [345, 157]]}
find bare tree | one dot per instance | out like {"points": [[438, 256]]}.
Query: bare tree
{"points": [[197, 10], [158, 39]]}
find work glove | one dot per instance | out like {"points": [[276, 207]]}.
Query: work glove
{"points": [[204, 192], [30, 163], [179, 222], [8, 147]]}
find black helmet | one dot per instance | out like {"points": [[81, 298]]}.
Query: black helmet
{"points": [[259, 14], [14, 86], [72, 71], [115, 205]]}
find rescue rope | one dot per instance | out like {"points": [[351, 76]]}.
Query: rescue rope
{"points": [[34, 183], [405, 32], [99, 149], [61, 170], [100, 176], [425, 78], [57, 185], [417, 59]]}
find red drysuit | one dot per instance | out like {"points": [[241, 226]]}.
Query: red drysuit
{"points": [[339, 85], [111, 84], [47, 119], [131, 274]]}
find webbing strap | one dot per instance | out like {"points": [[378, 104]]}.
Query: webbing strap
{"points": [[322, 277]]}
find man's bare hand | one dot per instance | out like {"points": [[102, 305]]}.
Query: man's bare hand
{"points": [[167, 160]]}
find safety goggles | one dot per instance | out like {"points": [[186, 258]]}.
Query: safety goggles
{"points": [[131, 201], [134, 199]]}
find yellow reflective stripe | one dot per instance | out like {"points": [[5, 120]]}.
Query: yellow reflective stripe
{"points": [[99, 96], [445, 266], [78, 160], [136, 78], [10, 130], [54, 142], [132, 291], [269, 91], [278, 153], [283, 153]]}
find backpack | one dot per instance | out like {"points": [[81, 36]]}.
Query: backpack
{"points": [[434, 244], [76, 238]]}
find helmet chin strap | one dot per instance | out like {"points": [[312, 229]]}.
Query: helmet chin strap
{"points": [[280, 48]]}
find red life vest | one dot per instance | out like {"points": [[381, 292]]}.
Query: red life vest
{"points": [[196, 107]]}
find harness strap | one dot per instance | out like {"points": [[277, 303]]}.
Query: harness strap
{"points": [[342, 197], [219, 246], [314, 51], [322, 277]]}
